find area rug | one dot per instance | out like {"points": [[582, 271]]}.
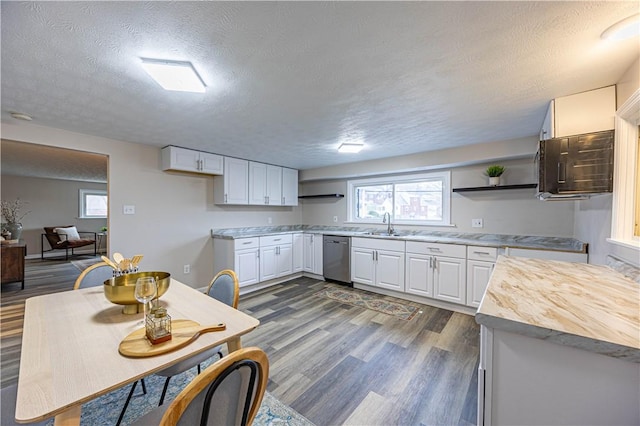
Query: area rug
{"points": [[106, 409], [365, 299]]}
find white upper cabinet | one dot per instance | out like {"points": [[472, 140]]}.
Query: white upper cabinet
{"points": [[274, 185], [188, 160], [265, 184], [289, 187], [233, 186], [585, 112]]}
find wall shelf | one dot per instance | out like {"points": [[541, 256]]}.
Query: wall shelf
{"points": [[495, 188], [321, 196]]}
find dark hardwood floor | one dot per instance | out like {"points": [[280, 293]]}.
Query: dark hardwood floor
{"points": [[333, 363]]}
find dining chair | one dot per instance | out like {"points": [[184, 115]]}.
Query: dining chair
{"points": [[228, 392], [225, 288], [94, 275]]}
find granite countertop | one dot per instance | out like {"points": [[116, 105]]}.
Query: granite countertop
{"points": [[590, 307], [486, 240]]}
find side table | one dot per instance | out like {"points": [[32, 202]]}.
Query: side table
{"points": [[12, 262]]}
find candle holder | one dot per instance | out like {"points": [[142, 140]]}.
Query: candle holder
{"points": [[158, 326]]}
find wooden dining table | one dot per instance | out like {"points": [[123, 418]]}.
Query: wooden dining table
{"points": [[70, 347]]}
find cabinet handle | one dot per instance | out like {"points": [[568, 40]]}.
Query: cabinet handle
{"points": [[277, 250], [373, 255], [277, 239], [434, 249], [266, 199], [283, 201], [435, 263], [258, 251], [482, 252], [247, 242], [225, 198]]}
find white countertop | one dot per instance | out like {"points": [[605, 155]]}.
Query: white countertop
{"points": [[590, 307]]}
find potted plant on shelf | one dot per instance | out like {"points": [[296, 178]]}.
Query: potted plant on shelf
{"points": [[11, 213], [494, 173]]}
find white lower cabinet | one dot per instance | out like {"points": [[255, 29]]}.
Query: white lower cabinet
{"points": [[480, 263], [378, 263], [276, 256], [312, 253], [242, 255], [247, 266], [298, 253], [437, 270]]}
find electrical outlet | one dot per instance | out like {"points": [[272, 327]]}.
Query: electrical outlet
{"points": [[476, 223], [335, 218], [128, 209], [269, 220], [187, 269]]}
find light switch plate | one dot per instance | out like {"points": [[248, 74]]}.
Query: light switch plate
{"points": [[476, 223], [128, 209]]}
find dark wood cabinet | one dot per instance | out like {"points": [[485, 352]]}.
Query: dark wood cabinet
{"points": [[12, 258]]}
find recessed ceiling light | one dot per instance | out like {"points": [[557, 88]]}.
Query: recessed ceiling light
{"points": [[21, 116], [174, 75], [624, 29], [350, 147]]}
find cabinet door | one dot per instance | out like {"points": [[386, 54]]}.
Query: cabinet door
{"points": [[308, 253], [289, 187], [236, 181], [257, 183], [174, 158], [274, 185], [449, 279], [298, 252], [362, 266], [268, 263], [419, 275], [318, 264], [284, 260], [247, 266], [478, 274], [390, 270], [211, 164]]}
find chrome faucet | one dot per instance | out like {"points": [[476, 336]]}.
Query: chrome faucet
{"points": [[387, 219]]}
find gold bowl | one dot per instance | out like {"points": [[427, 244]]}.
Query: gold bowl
{"points": [[121, 290]]}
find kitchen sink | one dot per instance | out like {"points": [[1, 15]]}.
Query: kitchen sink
{"points": [[382, 234]]}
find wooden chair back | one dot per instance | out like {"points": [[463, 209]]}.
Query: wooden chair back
{"points": [[228, 392], [94, 275]]}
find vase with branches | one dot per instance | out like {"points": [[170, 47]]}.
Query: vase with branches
{"points": [[12, 213]]}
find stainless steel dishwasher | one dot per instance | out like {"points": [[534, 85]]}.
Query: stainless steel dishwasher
{"points": [[336, 258]]}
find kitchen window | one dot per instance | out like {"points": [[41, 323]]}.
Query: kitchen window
{"points": [[420, 199], [93, 204]]}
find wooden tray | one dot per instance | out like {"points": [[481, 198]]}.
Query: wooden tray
{"points": [[183, 332]]}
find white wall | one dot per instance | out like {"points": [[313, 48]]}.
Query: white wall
{"points": [[503, 212], [174, 212], [593, 217], [51, 202]]}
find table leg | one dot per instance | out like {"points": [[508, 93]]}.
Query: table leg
{"points": [[234, 344], [70, 417]]}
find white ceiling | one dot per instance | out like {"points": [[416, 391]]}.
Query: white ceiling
{"points": [[288, 81]]}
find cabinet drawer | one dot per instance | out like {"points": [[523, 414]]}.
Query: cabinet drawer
{"points": [[482, 253], [378, 244], [246, 243], [276, 240], [448, 250]]}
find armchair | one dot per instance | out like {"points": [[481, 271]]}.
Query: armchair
{"points": [[66, 238]]}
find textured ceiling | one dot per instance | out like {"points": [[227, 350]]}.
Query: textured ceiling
{"points": [[288, 81], [27, 159]]}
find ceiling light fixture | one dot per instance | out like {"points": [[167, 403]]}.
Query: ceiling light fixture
{"points": [[21, 116], [350, 147], [174, 75], [622, 30]]}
